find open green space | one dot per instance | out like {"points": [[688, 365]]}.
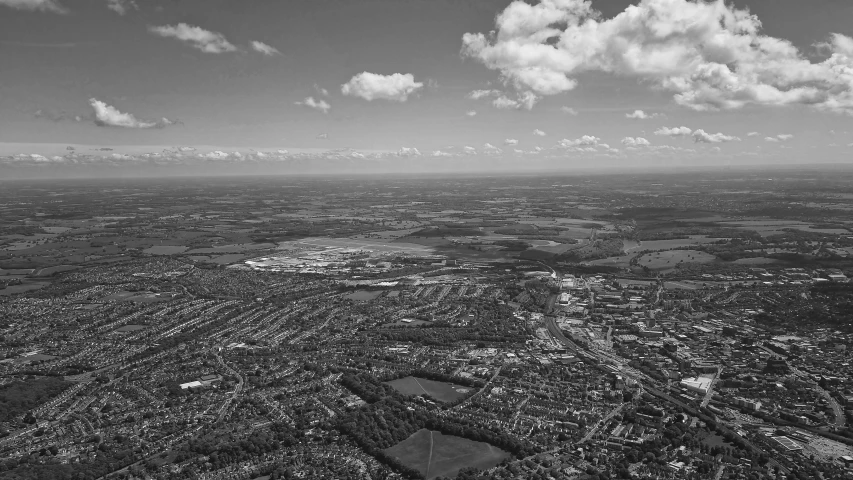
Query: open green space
{"points": [[364, 295], [441, 391], [437, 455]]}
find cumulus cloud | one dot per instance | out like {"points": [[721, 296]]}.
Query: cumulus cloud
{"points": [[469, 150], [525, 100], [408, 152], [52, 6], [109, 116], [709, 55], [641, 115], [635, 142], [752, 134], [471, 113], [121, 7], [263, 48], [700, 136], [478, 94], [320, 104], [197, 37], [569, 110], [674, 131], [539, 133], [320, 90], [489, 148], [439, 153], [323, 136], [510, 141], [586, 140], [373, 86], [782, 137]]}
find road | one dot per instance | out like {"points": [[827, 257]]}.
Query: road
{"points": [[601, 423], [483, 389], [239, 388]]}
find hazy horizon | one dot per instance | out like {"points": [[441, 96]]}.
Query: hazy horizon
{"points": [[418, 85]]}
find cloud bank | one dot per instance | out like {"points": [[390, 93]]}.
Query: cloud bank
{"points": [[709, 55]]}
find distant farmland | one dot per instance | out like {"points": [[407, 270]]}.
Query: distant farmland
{"points": [[437, 455]]}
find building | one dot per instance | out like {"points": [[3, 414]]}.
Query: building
{"points": [[699, 385]]}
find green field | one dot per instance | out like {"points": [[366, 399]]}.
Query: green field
{"points": [[441, 391], [667, 260], [434, 454]]}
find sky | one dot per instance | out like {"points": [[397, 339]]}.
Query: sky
{"points": [[423, 84]]}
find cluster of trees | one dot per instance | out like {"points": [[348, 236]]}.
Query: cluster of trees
{"points": [[387, 421], [20, 396], [226, 451]]}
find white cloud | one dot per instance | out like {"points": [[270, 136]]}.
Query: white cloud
{"points": [[510, 141], [478, 94], [197, 37], [674, 131], [439, 153], [752, 134], [782, 137], [525, 100], [469, 150], [320, 104], [569, 110], [635, 142], [109, 116], [323, 136], [539, 133], [121, 7], [709, 55], [641, 115], [489, 148], [320, 90], [408, 152], [372, 86], [471, 113], [586, 140], [700, 136], [263, 48], [52, 6]]}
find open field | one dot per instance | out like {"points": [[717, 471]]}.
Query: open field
{"points": [[165, 250], [675, 243], [24, 287], [130, 328], [667, 260], [437, 455], [363, 295], [357, 243], [441, 391]]}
